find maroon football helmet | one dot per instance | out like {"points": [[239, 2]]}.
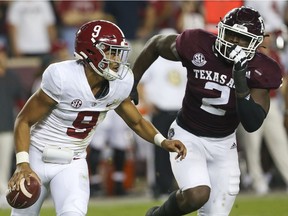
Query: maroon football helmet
{"points": [[245, 22], [95, 38]]}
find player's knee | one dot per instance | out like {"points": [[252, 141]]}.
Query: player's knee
{"points": [[195, 198]]}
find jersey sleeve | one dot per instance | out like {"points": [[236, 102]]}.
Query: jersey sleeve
{"points": [[188, 42], [51, 82], [265, 73], [181, 43]]}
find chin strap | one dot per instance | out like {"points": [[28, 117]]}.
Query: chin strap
{"points": [[110, 75]]}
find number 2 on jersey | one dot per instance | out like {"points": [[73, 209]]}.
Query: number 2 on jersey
{"points": [[207, 103]]}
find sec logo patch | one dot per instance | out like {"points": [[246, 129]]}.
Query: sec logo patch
{"points": [[76, 103]]}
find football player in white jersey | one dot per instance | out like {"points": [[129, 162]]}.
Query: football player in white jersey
{"points": [[57, 123]]}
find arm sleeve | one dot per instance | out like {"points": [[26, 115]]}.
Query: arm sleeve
{"points": [[250, 113]]}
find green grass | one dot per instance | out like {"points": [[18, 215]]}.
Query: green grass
{"points": [[271, 205], [245, 205]]}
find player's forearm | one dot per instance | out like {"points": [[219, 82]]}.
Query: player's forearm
{"points": [[147, 131], [21, 135], [250, 113], [13, 37], [145, 59]]}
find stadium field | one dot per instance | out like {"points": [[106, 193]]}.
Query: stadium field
{"points": [[275, 204]]}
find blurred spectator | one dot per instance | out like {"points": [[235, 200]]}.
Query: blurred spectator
{"points": [[3, 27], [274, 13], [73, 14], [31, 26], [136, 19], [59, 52], [284, 54], [11, 95], [161, 91], [285, 14], [190, 16], [114, 135], [165, 14], [272, 131], [215, 9]]}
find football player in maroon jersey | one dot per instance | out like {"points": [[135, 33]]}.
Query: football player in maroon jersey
{"points": [[228, 82]]}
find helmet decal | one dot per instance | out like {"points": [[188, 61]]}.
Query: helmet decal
{"points": [[95, 33]]}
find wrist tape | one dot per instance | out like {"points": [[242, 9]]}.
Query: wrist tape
{"points": [[22, 157], [158, 139]]}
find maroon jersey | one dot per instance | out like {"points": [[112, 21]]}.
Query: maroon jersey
{"points": [[209, 104]]}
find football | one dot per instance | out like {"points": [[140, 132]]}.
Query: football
{"points": [[26, 196]]}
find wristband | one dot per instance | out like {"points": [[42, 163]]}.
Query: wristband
{"points": [[158, 139], [22, 157]]}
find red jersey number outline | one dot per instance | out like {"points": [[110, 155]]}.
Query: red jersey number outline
{"points": [[83, 127]]}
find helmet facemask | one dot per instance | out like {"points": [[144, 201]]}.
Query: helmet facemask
{"points": [[114, 57], [109, 56], [222, 45]]}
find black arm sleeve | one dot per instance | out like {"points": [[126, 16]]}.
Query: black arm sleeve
{"points": [[250, 113]]}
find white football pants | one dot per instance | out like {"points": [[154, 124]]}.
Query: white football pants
{"points": [[212, 162], [68, 185]]}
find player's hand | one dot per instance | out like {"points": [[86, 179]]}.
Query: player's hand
{"points": [[240, 59], [23, 170], [134, 93], [175, 146], [239, 71]]}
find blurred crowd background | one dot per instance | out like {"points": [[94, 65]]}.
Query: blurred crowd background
{"points": [[34, 34]]}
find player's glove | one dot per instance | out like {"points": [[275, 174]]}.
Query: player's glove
{"points": [[239, 70], [134, 93], [240, 59]]}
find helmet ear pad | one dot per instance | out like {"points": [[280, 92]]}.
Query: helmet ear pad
{"points": [[96, 56], [90, 57]]}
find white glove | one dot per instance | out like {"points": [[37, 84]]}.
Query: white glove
{"points": [[239, 57], [239, 71]]}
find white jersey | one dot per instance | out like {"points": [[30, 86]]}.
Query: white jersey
{"points": [[32, 20], [164, 84], [72, 123]]}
